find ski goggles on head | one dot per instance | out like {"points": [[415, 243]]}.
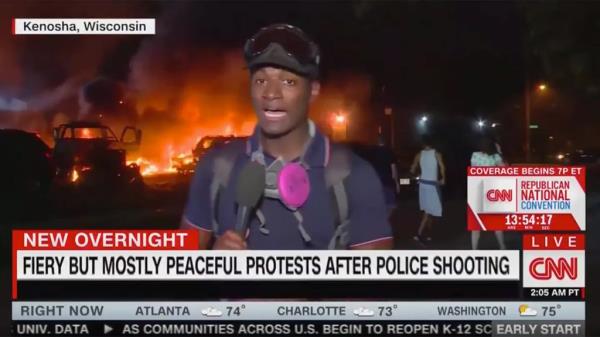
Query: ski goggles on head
{"points": [[293, 40]]}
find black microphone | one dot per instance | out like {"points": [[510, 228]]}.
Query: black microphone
{"points": [[250, 187]]}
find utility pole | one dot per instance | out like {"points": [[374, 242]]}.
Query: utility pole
{"points": [[389, 112]]}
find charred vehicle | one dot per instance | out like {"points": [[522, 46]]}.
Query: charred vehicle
{"points": [[89, 154], [186, 163]]}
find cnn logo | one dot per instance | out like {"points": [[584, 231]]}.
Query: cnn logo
{"points": [[553, 268], [499, 195], [544, 268]]}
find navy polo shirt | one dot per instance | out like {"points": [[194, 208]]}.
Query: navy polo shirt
{"points": [[367, 210]]}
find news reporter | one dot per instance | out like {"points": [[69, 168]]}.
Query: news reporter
{"points": [[344, 208]]}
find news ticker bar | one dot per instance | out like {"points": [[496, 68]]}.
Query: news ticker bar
{"points": [[296, 310], [302, 328]]}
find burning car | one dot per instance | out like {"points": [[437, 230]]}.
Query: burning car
{"points": [[89, 154], [186, 163]]}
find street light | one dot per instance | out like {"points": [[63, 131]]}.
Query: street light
{"points": [[421, 124], [341, 120], [481, 123], [542, 87]]}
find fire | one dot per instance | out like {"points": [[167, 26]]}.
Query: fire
{"points": [[149, 170], [177, 151], [185, 158], [74, 175], [146, 167]]}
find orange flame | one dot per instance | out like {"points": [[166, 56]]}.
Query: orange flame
{"points": [[181, 154], [74, 175]]}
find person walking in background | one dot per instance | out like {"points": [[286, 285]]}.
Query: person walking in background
{"points": [[432, 175], [487, 156]]}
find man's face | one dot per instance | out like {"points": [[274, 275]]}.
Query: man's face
{"points": [[281, 99]]}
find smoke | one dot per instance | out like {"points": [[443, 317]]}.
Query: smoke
{"points": [[185, 90], [52, 97], [184, 93], [46, 72]]}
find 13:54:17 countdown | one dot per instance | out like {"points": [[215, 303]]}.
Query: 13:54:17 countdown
{"points": [[528, 220]]}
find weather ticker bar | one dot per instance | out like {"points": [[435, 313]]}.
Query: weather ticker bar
{"points": [[297, 310]]}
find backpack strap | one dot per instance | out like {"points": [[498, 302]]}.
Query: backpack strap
{"points": [[223, 163], [336, 171]]}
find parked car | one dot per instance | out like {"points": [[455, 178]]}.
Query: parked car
{"points": [[26, 174], [27, 163]]}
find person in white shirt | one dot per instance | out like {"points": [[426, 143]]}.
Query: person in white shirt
{"points": [[487, 156], [432, 175]]}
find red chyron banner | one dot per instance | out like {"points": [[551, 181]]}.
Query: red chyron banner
{"points": [[99, 240], [526, 198], [554, 261], [105, 239]]}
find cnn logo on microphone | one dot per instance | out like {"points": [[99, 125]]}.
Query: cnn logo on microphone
{"points": [[554, 261], [499, 195]]}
